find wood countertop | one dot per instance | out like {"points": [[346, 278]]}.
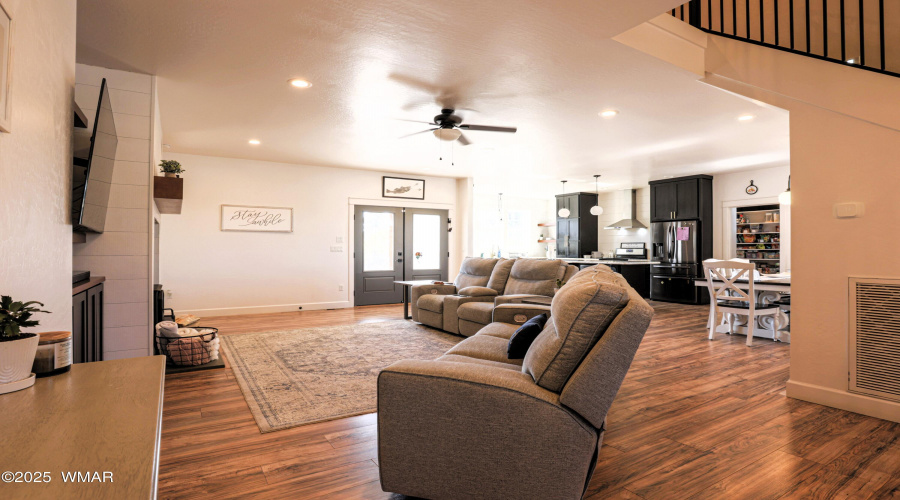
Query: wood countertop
{"points": [[84, 285], [98, 417]]}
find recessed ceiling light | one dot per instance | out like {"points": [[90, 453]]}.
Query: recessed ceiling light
{"points": [[746, 118], [300, 83], [608, 113], [255, 142], [851, 61]]}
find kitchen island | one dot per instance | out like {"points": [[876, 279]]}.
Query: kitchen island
{"points": [[635, 271]]}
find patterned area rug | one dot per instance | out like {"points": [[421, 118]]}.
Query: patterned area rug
{"points": [[299, 377]]}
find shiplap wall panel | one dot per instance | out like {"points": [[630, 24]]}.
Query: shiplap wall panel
{"points": [[121, 253]]}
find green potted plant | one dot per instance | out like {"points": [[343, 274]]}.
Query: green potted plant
{"points": [[171, 168], [17, 349]]}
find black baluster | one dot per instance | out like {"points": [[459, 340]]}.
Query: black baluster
{"points": [[862, 36], [843, 33], [791, 19], [825, 27], [881, 27]]}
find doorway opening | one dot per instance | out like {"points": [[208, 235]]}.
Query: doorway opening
{"points": [[396, 244]]}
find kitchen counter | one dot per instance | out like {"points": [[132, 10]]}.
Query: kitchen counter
{"points": [[612, 262]]}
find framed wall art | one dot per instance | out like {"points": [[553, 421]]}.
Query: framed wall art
{"points": [[399, 187], [257, 219]]}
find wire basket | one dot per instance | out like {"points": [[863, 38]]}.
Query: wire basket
{"points": [[190, 350]]}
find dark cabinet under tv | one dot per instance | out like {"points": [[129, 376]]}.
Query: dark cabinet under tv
{"points": [[87, 321], [576, 234]]}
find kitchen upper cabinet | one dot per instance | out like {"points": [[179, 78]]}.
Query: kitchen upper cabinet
{"points": [[576, 235], [572, 202], [681, 198]]}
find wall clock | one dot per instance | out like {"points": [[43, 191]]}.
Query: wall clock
{"points": [[752, 189]]}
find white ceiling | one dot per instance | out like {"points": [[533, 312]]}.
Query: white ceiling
{"points": [[546, 67]]}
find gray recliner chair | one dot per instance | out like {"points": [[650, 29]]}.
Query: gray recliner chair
{"points": [[474, 424], [479, 280]]}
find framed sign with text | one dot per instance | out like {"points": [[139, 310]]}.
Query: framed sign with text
{"points": [[257, 219]]}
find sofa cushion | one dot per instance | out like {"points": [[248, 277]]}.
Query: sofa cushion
{"points": [[478, 312], [478, 291], [433, 303], [500, 275], [474, 271], [482, 347], [502, 330], [580, 313], [534, 277], [524, 336]]}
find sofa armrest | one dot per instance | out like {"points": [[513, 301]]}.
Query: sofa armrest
{"points": [[420, 290], [462, 430], [518, 313], [516, 299]]}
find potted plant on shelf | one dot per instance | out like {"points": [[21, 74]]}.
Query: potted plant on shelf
{"points": [[171, 168], [17, 349]]}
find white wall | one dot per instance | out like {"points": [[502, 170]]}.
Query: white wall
{"points": [[213, 272], [729, 190], [36, 161], [122, 253], [490, 234], [616, 206], [845, 145]]}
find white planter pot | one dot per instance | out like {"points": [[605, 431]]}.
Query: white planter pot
{"points": [[16, 358]]}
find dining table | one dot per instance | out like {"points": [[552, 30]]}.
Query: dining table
{"points": [[769, 289]]}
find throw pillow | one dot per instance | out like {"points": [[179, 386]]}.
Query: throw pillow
{"points": [[523, 337]]}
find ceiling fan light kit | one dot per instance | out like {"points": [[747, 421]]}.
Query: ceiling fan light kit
{"points": [[447, 134]]}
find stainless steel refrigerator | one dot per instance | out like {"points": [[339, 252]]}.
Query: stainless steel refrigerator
{"points": [[676, 245]]}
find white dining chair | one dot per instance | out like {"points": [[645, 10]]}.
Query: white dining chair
{"points": [[727, 298]]}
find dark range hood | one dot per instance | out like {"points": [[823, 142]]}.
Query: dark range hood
{"points": [[630, 222]]}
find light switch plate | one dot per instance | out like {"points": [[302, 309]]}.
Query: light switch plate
{"points": [[849, 210], [337, 249], [339, 239]]}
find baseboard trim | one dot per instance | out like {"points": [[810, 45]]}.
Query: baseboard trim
{"points": [[857, 403], [236, 311]]}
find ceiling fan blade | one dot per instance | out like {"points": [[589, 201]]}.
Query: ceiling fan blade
{"points": [[415, 121], [417, 133], [485, 128], [464, 140]]}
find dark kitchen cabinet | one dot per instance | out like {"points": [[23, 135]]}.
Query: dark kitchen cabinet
{"points": [[681, 199], [576, 235], [87, 322], [637, 275]]}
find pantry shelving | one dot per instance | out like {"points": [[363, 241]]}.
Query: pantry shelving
{"points": [[758, 237]]}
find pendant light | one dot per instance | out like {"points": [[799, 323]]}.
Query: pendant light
{"points": [[564, 212], [785, 197], [596, 209]]}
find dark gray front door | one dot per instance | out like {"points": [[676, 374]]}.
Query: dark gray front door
{"points": [[425, 242], [378, 255]]}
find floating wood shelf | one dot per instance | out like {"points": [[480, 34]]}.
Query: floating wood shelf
{"points": [[546, 241], [168, 193], [546, 225]]}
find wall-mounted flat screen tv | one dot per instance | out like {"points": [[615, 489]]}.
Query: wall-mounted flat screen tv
{"points": [[95, 157]]}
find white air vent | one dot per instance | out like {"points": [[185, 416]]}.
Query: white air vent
{"points": [[875, 337]]}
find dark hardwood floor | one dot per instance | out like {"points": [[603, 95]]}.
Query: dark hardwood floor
{"points": [[694, 419]]}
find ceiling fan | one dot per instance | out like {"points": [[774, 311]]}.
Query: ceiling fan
{"points": [[449, 127]]}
